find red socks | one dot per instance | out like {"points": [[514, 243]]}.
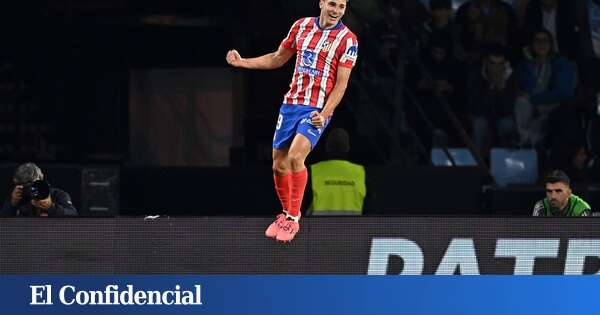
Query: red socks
{"points": [[283, 187], [297, 192], [290, 190]]}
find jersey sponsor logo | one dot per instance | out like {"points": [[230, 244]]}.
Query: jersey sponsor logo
{"points": [[308, 58], [352, 52], [309, 71], [307, 65]]}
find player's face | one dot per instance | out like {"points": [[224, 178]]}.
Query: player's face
{"points": [[331, 12], [558, 194]]}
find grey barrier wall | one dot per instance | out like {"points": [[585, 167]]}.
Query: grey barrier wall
{"points": [[325, 245]]}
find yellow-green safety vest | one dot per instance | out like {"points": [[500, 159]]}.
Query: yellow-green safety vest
{"points": [[338, 188]]}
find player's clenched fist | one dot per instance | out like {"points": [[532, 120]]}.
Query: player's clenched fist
{"points": [[317, 119], [233, 58]]}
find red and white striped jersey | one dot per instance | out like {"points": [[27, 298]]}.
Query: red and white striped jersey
{"points": [[319, 53]]}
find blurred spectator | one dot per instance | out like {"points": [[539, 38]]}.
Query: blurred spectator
{"points": [[383, 65], [385, 33], [338, 186], [560, 201], [572, 157], [399, 16], [442, 25], [556, 16], [520, 7], [492, 91], [587, 14], [447, 78], [574, 122], [414, 16], [33, 197], [546, 79], [582, 124], [484, 22]]}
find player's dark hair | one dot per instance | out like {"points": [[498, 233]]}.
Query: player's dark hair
{"points": [[558, 176]]}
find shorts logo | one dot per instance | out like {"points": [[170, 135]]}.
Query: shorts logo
{"points": [[311, 132], [305, 121]]}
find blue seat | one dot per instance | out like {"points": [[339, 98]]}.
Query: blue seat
{"points": [[461, 156], [514, 166]]}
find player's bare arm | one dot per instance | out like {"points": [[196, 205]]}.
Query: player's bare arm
{"points": [[270, 61], [334, 99]]}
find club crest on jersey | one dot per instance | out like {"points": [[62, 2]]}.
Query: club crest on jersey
{"points": [[325, 46]]}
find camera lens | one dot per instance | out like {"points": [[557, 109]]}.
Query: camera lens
{"points": [[39, 190]]}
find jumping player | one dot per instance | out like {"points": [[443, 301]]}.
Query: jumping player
{"points": [[326, 50]]}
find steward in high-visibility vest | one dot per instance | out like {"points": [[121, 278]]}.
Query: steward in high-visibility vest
{"points": [[338, 186]]}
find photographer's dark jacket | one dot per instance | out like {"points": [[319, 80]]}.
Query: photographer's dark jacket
{"points": [[62, 206]]}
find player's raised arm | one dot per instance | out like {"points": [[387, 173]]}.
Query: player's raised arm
{"points": [[341, 83], [273, 60], [334, 99]]}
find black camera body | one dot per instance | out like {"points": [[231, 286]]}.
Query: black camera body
{"points": [[37, 190]]}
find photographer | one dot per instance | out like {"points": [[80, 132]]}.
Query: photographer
{"points": [[32, 196]]}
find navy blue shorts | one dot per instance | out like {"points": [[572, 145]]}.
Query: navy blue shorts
{"points": [[295, 119]]}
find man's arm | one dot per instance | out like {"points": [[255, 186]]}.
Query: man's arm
{"points": [[7, 209], [334, 99], [11, 205], [270, 61], [538, 209], [62, 205]]}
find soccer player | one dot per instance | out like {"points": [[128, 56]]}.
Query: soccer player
{"points": [[326, 50], [560, 201]]}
